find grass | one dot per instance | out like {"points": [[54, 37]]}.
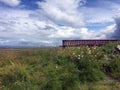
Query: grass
{"points": [[79, 68]]}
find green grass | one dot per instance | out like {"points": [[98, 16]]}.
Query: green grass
{"points": [[76, 68]]}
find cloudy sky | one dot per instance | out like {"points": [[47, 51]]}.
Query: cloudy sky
{"points": [[48, 22]]}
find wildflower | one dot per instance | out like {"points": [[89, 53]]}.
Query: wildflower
{"points": [[88, 48], [56, 66], [73, 53], [82, 56], [89, 52], [95, 48]]}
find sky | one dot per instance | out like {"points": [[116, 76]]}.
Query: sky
{"points": [[48, 22]]}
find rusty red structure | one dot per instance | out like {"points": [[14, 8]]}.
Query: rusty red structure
{"points": [[70, 43]]}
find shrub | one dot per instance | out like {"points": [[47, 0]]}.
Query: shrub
{"points": [[61, 76], [56, 69], [115, 67], [109, 48], [89, 70], [88, 66]]}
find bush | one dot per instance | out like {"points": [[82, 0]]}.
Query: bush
{"points": [[89, 70], [61, 76], [115, 67], [56, 69], [88, 66], [109, 48]]}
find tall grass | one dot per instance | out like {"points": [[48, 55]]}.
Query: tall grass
{"points": [[76, 68]]}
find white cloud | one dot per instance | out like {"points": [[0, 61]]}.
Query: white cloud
{"points": [[2, 28], [11, 2], [97, 15], [20, 28], [101, 11], [105, 33], [116, 34], [51, 23], [63, 32], [63, 12], [109, 29], [2, 41]]}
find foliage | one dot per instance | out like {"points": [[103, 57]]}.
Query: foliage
{"points": [[57, 68], [87, 62], [115, 67]]}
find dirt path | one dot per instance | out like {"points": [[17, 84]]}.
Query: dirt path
{"points": [[112, 79]]}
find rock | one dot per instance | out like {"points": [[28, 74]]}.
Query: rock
{"points": [[118, 47], [116, 50]]}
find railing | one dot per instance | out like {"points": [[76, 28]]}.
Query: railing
{"points": [[70, 43]]}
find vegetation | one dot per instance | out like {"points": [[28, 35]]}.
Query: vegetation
{"points": [[75, 68]]}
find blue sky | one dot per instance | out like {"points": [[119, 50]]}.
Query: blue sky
{"points": [[48, 22]]}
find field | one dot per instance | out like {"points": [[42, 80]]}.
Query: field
{"points": [[76, 68]]}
